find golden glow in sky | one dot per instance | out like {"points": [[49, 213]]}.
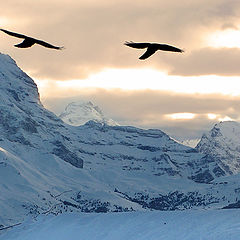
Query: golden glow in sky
{"points": [[189, 116], [179, 116], [218, 117], [229, 38], [211, 116], [141, 79]]}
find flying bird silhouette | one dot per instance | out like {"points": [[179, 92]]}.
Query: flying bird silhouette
{"points": [[29, 41], [152, 48]]}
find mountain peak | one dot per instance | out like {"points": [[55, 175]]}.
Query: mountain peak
{"points": [[222, 143], [16, 86], [23, 119], [78, 113]]}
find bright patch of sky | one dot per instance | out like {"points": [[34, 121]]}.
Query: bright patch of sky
{"points": [[229, 38], [140, 79]]}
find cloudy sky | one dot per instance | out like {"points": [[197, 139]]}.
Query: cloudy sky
{"points": [[182, 94]]}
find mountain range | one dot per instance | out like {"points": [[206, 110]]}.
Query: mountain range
{"points": [[49, 166]]}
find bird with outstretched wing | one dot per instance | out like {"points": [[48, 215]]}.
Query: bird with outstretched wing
{"points": [[152, 48], [29, 41]]}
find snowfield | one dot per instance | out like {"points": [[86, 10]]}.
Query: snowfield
{"points": [[151, 225]]}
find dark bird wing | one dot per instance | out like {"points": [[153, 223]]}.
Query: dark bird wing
{"points": [[152, 48], [27, 42], [150, 51], [13, 34], [48, 45], [165, 47], [137, 45]]}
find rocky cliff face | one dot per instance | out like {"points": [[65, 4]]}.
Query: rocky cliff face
{"points": [[24, 121]]}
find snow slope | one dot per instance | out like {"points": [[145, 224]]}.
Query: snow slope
{"points": [[78, 113], [190, 142], [187, 225]]}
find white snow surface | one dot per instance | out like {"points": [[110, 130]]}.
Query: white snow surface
{"points": [[184, 225], [189, 142], [78, 113]]}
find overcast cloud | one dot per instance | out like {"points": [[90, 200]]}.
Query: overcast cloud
{"points": [[208, 61], [93, 33]]}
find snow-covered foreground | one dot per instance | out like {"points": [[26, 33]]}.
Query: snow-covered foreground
{"points": [[155, 225]]}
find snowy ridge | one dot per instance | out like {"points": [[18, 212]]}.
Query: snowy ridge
{"points": [[189, 142], [222, 144], [48, 166], [78, 113]]}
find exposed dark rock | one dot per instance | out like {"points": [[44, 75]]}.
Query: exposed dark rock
{"points": [[61, 151], [218, 172], [232, 205], [203, 177]]}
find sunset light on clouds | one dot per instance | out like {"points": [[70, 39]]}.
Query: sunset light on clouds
{"points": [[189, 91], [229, 38], [149, 79]]}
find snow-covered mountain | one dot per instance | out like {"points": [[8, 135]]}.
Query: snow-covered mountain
{"points": [[47, 165], [78, 113], [223, 144]]}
